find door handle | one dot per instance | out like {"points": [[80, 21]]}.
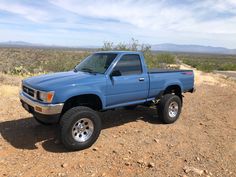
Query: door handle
{"points": [[141, 79]]}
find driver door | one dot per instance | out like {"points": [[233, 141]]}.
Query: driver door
{"points": [[129, 83]]}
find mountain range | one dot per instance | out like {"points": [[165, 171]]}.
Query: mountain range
{"points": [[157, 47], [192, 49]]}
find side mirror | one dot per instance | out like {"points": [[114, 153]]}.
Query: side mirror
{"points": [[115, 73]]}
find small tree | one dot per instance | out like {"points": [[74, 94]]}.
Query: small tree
{"points": [[107, 46], [153, 60]]}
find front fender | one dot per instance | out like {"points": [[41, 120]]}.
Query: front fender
{"points": [[64, 94]]}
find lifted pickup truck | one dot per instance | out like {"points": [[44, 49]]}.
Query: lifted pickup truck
{"points": [[103, 81]]}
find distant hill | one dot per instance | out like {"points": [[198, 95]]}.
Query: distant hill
{"points": [[19, 44], [24, 44], [192, 49], [158, 47]]}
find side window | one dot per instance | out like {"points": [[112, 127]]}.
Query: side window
{"points": [[128, 65]]}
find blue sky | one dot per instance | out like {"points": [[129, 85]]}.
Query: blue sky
{"points": [[91, 22]]}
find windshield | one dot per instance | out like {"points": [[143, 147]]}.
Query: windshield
{"points": [[96, 63]]}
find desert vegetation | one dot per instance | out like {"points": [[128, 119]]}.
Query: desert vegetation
{"points": [[208, 63], [26, 61], [31, 61], [154, 60]]}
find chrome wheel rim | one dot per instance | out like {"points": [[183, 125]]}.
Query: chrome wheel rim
{"points": [[173, 109], [82, 130]]}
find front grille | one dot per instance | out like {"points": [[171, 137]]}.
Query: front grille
{"points": [[28, 91]]}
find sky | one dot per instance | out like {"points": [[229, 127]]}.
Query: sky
{"points": [[92, 22]]}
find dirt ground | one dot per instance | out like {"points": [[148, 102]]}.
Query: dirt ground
{"points": [[132, 143]]}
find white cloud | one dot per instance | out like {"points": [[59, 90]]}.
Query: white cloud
{"points": [[206, 21], [29, 12], [157, 15]]}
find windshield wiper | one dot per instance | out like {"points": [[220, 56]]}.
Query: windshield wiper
{"points": [[75, 70], [88, 70]]}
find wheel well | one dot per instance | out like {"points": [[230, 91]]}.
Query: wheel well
{"points": [[173, 89], [89, 100]]}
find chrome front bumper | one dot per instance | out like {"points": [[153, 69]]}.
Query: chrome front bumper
{"points": [[46, 109]]}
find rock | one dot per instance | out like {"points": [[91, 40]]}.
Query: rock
{"points": [[170, 146], [127, 163], [125, 158], [95, 149], [151, 165], [61, 174], [193, 169], [206, 171], [197, 171], [64, 165], [187, 169], [114, 151], [80, 166], [198, 159], [140, 162]]}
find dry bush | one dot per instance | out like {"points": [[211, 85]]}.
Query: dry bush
{"points": [[26, 61]]}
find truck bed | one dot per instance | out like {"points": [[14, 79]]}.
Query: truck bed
{"points": [[153, 71], [160, 79]]}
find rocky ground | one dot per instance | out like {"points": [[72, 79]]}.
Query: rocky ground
{"points": [[132, 143]]}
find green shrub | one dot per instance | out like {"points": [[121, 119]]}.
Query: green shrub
{"points": [[152, 60], [23, 61], [210, 63]]}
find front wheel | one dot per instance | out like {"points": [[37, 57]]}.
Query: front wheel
{"points": [[80, 128], [169, 108]]}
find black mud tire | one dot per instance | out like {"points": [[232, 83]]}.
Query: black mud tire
{"points": [[164, 111], [70, 118]]}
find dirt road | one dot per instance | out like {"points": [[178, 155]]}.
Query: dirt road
{"points": [[132, 143]]}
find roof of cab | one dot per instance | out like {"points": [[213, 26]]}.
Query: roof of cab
{"points": [[120, 52]]}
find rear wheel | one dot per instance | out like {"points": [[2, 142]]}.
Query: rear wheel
{"points": [[80, 128], [169, 108]]}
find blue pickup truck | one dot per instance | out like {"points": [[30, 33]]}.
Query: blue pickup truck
{"points": [[102, 81]]}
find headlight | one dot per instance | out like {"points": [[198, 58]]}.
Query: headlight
{"points": [[45, 96]]}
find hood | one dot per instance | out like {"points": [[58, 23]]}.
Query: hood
{"points": [[48, 82]]}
